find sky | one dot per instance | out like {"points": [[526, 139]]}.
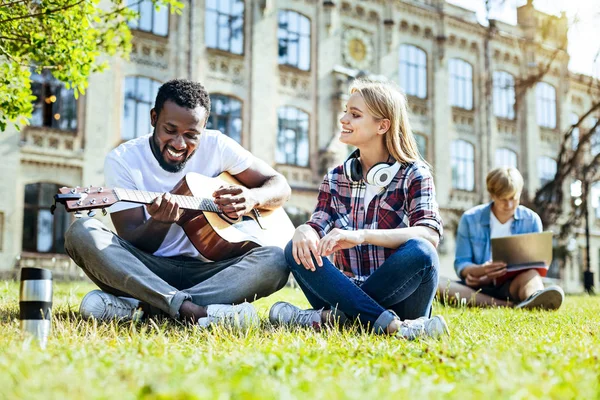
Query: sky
{"points": [[584, 21]]}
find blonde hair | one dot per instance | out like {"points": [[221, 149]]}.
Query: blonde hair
{"points": [[384, 100], [504, 182]]}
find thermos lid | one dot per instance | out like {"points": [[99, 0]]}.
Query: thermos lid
{"points": [[33, 274]]}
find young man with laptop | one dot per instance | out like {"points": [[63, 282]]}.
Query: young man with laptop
{"points": [[503, 271]]}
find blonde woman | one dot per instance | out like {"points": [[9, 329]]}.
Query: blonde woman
{"points": [[378, 215]]}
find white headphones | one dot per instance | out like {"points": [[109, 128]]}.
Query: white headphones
{"points": [[380, 174]]}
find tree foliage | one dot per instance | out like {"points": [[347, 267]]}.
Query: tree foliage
{"points": [[67, 37]]}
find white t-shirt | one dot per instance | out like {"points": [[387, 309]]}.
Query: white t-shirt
{"points": [[498, 229], [132, 165], [370, 192]]}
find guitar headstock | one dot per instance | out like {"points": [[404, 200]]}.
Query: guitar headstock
{"points": [[87, 198]]}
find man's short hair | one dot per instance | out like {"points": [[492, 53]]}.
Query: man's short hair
{"points": [[184, 93], [504, 182]]}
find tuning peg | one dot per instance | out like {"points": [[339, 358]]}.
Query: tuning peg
{"points": [[91, 213], [78, 214]]}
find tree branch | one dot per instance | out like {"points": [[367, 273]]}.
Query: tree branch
{"points": [[12, 3], [42, 13], [17, 39], [525, 84], [118, 10]]}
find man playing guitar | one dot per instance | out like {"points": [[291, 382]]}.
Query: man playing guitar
{"points": [[151, 266]]}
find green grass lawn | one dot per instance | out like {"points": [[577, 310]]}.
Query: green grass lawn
{"points": [[495, 353]]}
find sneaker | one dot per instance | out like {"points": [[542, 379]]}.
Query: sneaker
{"points": [[547, 299], [423, 327], [283, 313], [104, 306], [240, 316]]}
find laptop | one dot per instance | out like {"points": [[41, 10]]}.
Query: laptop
{"points": [[525, 251]]}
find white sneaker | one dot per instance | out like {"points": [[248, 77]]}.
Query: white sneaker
{"points": [[240, 316], [104, 306], [283, 313], [423, 327], [550, 298]]}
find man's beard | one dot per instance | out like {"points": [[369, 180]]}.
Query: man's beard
{"points": [[173, 168]]}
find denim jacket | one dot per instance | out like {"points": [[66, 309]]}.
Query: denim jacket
{"points": [[473, 245]]}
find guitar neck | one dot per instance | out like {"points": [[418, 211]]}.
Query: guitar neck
{"points": [[185, 202]]}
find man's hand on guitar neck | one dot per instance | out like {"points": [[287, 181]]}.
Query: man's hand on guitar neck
{"points": [[147, 234], [164, 209], [234, 200]]}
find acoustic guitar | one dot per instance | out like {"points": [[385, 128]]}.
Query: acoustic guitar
{"points": [[216, 236]]}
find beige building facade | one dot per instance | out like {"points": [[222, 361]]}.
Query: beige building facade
{"points": [[278, 72]]}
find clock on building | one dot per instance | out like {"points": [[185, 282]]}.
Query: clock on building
{"points": [[357, 49]]}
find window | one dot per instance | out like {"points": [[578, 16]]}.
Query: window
{"points": [[413, 71], [42, 231], [294, 40], [546, 105], [421, 145], [292, 138], [463, 165], [226, 116], [54, 105], [546, 169], [149, 18], [140, 93], [506, 158], [575, 132], [504, 95], [461, 84], [595, 138], [224, 25]]}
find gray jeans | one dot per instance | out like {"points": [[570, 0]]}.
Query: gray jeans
{"points": [[163, 283]]}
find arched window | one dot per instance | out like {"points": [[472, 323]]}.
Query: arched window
{"points": [[461, 83], [139, 95], [42, 231], [574, 132], [545, 98], [149, 18], [54, 105], [504, 95], [292, 137], [463, 165], [421, 144], [224, 25], [546, 169], [506, 158], [413, 71], [293, 37], [226, 116]]}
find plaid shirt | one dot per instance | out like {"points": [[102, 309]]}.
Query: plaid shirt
{"points": [[409, 200]]}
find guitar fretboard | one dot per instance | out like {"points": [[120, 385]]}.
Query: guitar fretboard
{"points": [[185, 202]]}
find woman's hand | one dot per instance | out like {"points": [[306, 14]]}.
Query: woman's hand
{"points": [[339, 239], [304, 246]]}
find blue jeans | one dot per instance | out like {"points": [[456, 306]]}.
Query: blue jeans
{"points": [[403, 286]]}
